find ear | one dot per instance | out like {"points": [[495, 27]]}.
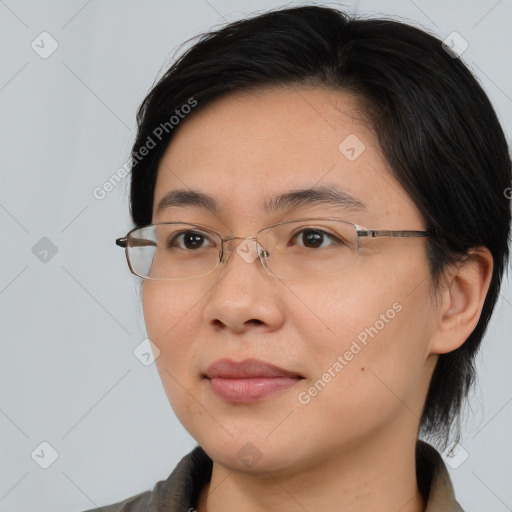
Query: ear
{"points": [[461, 298]]}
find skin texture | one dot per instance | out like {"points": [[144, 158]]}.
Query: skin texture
{"points": [[352, 446]]}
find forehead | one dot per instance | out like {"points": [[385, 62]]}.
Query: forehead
{"points": [[245, 149]]}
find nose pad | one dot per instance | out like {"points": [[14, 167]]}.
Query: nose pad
{"points": [[262, 252]]}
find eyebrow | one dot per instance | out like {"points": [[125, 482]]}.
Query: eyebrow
{"points": [[328, 195]]}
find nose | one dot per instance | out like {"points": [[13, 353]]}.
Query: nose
{"points": [[245, 296]]}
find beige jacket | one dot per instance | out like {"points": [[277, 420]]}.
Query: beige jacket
{"points": [[180, 491]]}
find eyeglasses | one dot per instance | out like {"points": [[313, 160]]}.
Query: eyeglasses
{"points": [[294, 249]]}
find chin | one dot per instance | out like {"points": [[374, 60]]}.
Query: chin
{"points": [[252, 455]]}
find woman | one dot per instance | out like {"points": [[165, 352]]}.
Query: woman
{"points": [[321, 230]]}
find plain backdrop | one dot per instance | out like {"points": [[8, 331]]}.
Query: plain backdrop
{"points": [[72, 75]]}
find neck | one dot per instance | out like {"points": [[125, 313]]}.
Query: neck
{"points": [[378, 475]]}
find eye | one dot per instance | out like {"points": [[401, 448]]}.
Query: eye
{"points": [[190, 240], [312, 238]]}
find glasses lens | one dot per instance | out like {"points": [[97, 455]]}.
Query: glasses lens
{"points": [[173, 251], [304, 248]]}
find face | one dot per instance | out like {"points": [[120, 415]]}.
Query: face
{"points": [[359, 340]]}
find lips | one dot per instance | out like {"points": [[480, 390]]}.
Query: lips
{"points": [[249, 368], [249, 380]]}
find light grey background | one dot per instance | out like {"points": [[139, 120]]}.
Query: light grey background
{"points": [[70, 324]]}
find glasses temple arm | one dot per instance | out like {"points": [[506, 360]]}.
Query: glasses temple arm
{"points": [[134, 242], [373, 233]]}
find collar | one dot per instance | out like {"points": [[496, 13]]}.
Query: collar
{"points": [[179, 493], [434, 481]]}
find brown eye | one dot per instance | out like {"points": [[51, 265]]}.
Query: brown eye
{"points": [[189, 240], [315, 238]]}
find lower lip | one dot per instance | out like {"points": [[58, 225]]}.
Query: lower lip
{"points": [[249, 389]]}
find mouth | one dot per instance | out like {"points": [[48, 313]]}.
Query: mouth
{"points": [[249, 380]]}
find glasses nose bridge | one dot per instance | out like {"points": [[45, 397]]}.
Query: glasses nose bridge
{"points": [[232, 237], [229, 238]]}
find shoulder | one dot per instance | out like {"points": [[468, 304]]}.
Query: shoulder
{"points": [[138, 503], [178, 492]]}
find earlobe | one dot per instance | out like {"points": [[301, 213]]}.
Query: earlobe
{"points": [[461, 300]]}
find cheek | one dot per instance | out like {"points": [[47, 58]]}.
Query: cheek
{"points": [[172, 321], [345, 310], [369, 356], [170, 313]]}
